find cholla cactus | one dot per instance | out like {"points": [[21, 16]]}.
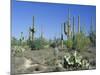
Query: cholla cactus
{"points": [[85, 63], [17, 50], [75, 61]]}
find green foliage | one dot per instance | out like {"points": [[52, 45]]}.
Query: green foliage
{"points": [[14, 41], [81, 41], [55, 42], [69, 43], [53, 45], [38, 43], [92, 37]]}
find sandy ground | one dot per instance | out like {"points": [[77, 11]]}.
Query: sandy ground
{"points": [[44, 60]]}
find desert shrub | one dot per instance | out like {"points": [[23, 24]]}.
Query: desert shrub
{"points": [[38, 43], [86, 41], [81, 41], [55, 42], [92, 37], [18, 42], [14, 41], [17, 51], [53, 45], [35, 44], [51, 62], [69, 43]]}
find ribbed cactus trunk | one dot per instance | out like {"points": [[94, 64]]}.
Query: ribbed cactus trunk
{"points": [[73, 28], [61, 36], [78, 24], [68, 25], [32, 30], [73, 37], [91, 24], [68, 32], [41, 32], [65, 28], [31, 35], [29, 38], [21, 38]]}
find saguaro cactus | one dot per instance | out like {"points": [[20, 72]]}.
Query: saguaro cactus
{"points": [[92, 33], [21, 38], [78, 24], [73, 37], [61, 36], [41, 32], [67, 26], [73, 27], [31, 35], [32, 31], [91, 24]]}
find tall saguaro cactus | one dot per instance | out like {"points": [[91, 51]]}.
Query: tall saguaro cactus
{"points": [[78, 24], [21, 38], [73, 27], [41, 31], [61, 36], [67, 26], [92, 33], [91, 24], [32, 31], [31, 35], [73, 37]]}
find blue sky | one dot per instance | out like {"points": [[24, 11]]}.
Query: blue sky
{"points": [[49, 16]]}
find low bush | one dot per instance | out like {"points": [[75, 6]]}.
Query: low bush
{"points": [[81, 41], [69, 43]]}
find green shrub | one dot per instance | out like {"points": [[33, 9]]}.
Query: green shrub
{"points": [[14, 41], [53, 45], [92, 37], [38, 43], [81, 41], [69, 43]]}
